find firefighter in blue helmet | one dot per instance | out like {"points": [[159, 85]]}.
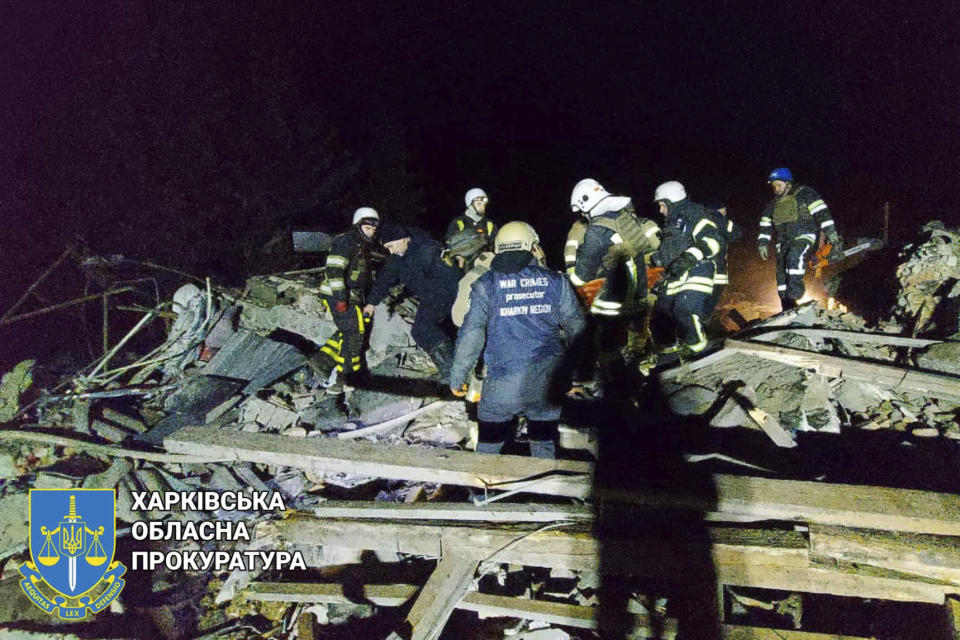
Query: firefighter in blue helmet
{"points": [[691, 242], [523, 318], [796, 215], [347, 277], [416, 262]]}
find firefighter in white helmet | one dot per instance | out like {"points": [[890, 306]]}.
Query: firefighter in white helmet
{"points": [[474, 218], [691, 242], [522, 317], [347, 278], [609, 269]]}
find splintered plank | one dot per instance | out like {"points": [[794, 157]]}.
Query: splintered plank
{"points": [[445, 588], [535, 475], [933, 557], [466, 512], [937, 385], [761, 498]]}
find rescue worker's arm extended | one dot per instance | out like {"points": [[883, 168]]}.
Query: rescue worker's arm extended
{"points": [[387, 278], [471, 336], [335, 285], [589, 256]]}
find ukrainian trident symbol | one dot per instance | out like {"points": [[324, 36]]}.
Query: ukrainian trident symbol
{"points": [[65, 558]]}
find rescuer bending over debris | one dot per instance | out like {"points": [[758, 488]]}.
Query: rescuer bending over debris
{"points": [[416, 262], [797, 214], [527, 315]]}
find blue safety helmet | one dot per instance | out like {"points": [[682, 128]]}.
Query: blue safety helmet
{"points": [[781, 173]]}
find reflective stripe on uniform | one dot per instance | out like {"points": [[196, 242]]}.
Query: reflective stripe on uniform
{"points": [[809, 237], [701, 343], [763, 236], [781, 287], [795, 272], [714, 246], [489, 228], [691, 286], [695, 252], [765, 222], [336, 261], [604, 312], [827, 223], [816, 205], [616, 238], [325, 290], [700, 225], [460, 225], [576, 281], [597, 302], [335, 284], [573, 243], [721, 278]]}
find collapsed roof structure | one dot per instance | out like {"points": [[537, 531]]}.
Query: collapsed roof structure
{"points": [[804, 456]]}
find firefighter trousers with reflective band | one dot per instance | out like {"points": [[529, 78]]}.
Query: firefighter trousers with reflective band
{"points": [[343, 349], [541, 434], [791, 265], [688, 300]]}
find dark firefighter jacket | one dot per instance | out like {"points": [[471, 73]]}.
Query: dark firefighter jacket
{"points": [[482, 225], [421, 271], [625, 286], [523, 317], [729, 233], [349, 267], [800, 212]]}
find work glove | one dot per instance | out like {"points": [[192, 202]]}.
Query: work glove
{"points": [[683, 263], [459, 392], [340, 307], [763, 249], [832, 236]]}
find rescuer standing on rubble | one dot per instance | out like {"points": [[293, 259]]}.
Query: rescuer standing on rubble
{"points": [[523, 317], [347, 277], [797, 214], [416, 263], [729, 233], [611, 258], [474, 218], [691, 241]]}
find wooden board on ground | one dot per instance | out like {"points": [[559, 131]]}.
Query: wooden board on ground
{"points": [[445, 588], [419, 464]]}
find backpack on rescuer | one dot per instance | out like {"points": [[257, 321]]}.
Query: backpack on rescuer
{"points": [[638, 238]]}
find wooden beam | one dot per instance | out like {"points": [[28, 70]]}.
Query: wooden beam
{"points": [[749, 558], [443, 591], [953, 616], [937, 385], [762, 498], [932, 557], [465, 512], [536, 475], [737, 632], [384, 595], [814, 502]]}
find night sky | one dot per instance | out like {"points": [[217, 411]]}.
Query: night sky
{"points": [[191, 134]]}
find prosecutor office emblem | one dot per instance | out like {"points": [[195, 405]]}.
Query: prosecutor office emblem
{"points": [[72, 540]]}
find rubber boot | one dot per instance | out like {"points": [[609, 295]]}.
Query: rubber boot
{"points": [[787, 303]]}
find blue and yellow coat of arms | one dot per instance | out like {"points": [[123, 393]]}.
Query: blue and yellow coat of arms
{"points": [[72, 540]]}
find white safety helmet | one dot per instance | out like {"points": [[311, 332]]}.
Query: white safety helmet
{"points": [[586, 194], [365, 213], [473, 194], [671, 191], [183, 296], [516, 236]]}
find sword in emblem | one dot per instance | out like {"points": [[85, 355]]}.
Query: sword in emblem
{"points": [[72, 542], [72, 573]]}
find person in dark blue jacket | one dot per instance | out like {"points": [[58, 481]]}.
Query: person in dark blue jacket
{"points": [[416, 263], [523, 318]]}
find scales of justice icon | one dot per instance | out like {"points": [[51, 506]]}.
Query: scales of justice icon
{"points": [[71, 544]]}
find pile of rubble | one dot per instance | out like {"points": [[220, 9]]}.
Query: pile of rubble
{"points": [[395, 528], [929, 279]]}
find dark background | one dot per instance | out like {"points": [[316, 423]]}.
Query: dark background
{"points": [[195, 135]]}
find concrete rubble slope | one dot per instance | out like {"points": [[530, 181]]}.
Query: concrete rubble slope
{"points": [[729, 474]]}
